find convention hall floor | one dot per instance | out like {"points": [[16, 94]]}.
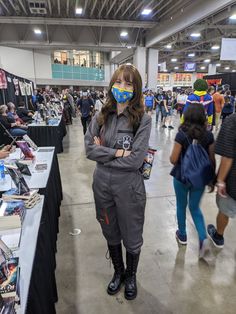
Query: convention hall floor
{"points": [[170, 279]]}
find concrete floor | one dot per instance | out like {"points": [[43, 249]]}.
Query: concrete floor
{"points": [[170, 279]]}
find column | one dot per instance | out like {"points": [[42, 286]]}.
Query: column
{"points": [[211, 69], [152, 65], [140, 62]]}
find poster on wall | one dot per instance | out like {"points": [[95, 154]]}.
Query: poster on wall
{"points": [[163, 79], [182, 79], [228, 48], [190, 66]]}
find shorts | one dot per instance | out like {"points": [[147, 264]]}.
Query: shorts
{"points": [[170, 112], [147, 109], [226, 205]]}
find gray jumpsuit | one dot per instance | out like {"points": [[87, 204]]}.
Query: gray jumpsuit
{"points": [[118, 185]]}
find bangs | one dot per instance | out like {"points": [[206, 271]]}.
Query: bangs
{"points": [[125, 72]]}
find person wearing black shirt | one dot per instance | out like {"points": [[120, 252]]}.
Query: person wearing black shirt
{"points": [[86, 107], [24, 113], [226, 182]]}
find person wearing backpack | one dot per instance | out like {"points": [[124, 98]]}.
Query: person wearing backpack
{"points": [[193, 169]]}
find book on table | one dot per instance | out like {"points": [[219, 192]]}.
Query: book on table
{"points": [[9, 277], [18, 179], [25, 149], [13, 194], [12, 214]]}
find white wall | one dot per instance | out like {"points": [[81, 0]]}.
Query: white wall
{"points": [[17, 61], [42, 61]]}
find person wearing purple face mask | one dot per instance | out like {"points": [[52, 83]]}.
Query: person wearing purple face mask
{"points": [[117, 139]]}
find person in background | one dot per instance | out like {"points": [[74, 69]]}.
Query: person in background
{"points": [[70, 99], [12, 113], [226, 181], [86, 108], [201, 96], [99, 103], [193, 127], [23, 113], [149, 103], [181, 101], [228, 108], [211, 91], [164, 109], [169, 104], [159, 105], [219, 104], [117, 139], [14, 128]]}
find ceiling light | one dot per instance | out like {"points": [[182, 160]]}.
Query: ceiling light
{"points": [[159, 64], [78, 10], [124, 34], [165, 70], [168, 46], [176, 68], [195, 35], [203, 68], [129, 47], [191, 54], [146, 11], [233, 17], [128, 63], [233, 70], [215, 47], [207, 60], [173, 60], [218, 64], [37, 31], [227, 68]]}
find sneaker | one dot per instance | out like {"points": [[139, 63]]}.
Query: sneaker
{"points": [[211, 230], [181, 239], [164, 126], [204, 247]]}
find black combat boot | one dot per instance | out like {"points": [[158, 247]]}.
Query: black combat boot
{"points": [[119, 275], [130, 275]]}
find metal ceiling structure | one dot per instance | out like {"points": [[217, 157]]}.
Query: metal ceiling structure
{"points": [[100, 23]]}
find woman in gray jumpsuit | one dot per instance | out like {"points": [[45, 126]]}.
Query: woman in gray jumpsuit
{"points": [[117, 139]]}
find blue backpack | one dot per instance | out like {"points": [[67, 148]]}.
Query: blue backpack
{"points": [[197, 170]]}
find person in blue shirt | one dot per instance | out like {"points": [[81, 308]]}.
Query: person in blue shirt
{"points": [[201, 96], [149, 103], [228, 108]]}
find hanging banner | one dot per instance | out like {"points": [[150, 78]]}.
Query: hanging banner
{"points": [[3, 80], [22, 88], [190, 66], [214, 81], [16, 84]]}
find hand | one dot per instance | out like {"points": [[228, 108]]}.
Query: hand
{"points": [[97, 141], [6, 148], [18, 123], [221, 189], [127, 153], [3, 154]]}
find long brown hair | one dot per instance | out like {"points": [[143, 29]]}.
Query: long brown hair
{"points": [[136, 105]]}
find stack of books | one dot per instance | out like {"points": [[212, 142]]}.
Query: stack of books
{"points": [[29, 198]]}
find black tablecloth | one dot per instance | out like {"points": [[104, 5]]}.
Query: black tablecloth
{"points": [[43, 292], [48, 135]]}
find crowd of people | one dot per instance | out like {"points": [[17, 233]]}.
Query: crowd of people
{"points": [[117, 128]]}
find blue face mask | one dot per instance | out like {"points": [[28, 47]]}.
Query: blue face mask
{"points": [[122, 95]]}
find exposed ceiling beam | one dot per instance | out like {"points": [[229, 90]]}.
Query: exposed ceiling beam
{"points": [[111, 7], [131, 3], [59, 7], [85, 5], [12, 5], [137, 7], [102, 7], [60, 45], [156, 6], [171, 8], [23, 7], [50, 7], [193, 14], [145, 6], [162, 8], [67, 7], [75, 21], [5, 7], [120, 6], [94, 5]]}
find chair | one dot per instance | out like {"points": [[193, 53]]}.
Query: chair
{"points": [[5, 136]]}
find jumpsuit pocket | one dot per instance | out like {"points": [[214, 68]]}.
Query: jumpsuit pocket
{"points": [[138, 193]]}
